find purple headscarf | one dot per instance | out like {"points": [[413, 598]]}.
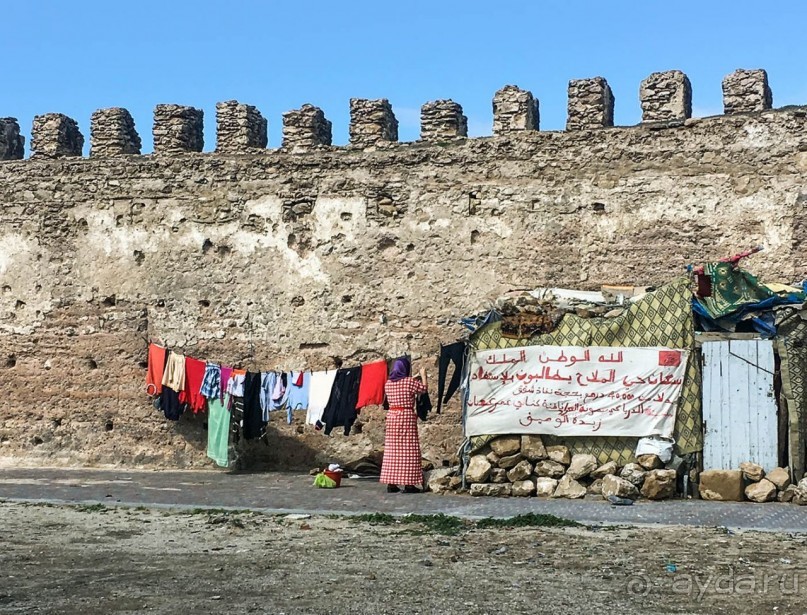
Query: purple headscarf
{"points": [[400, 369]]}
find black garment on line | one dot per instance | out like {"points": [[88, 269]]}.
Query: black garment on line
{"points": [[423, 405], [169, 404], [453, 353], [341, 407], [253, 415]]}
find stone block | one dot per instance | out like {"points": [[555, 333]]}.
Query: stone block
{"points": [[752, 471], [240, 128], [761, 491], [306, 128], [779, 477], [478, 469], [745, 91], [582, 465], [545, 486], [549, 468], [605, 469], [634, 473], [178, 129], [722, 485], [659, 484], [569, 488], [523, 488], [441, 120], [372, 122], [493, 458], [508, 461], [498, 475], [595, 488], [54, 135], [666, 97], [438, 481], [619, 487], [787, 494], [532, 447], [490, 490], [506, 445], [12, 143], [559, 454], [520, 471], [591, 104], [650, 461], [113, 133], [514, 110]]}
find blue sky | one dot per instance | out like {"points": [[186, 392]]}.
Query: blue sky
{"points": [[74, 57]]}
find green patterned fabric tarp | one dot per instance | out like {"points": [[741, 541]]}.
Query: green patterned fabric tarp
{"points": [[732, 287], [791, 344], [661, 318]]}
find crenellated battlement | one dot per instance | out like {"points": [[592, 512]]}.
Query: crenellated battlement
{"points": [[665, 98]]}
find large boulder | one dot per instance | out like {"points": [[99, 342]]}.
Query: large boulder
{"points": [[605, 469], [489, 489], [520, 471], [650, 461], [559, 454], [779, 477], [438, 481], [752, 471], [721, 485], [659, 484], [498, 475], [549, 468], [582, 465], [787, 494], [618, 486], [761, 491], [508, 461], [506, 445], [478, 469], [800, 493], [532, 447], [634, 473], [545, 486], [595, 488], [523, 488], [569, 488]]}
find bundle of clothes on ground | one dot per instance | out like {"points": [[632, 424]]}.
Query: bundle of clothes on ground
{"points": [[239, 402]]}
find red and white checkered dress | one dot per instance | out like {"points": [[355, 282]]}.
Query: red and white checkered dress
{"points": [[401, 464]]}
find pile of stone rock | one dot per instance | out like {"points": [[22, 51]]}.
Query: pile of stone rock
{"points": [[523, 466], [751, 483]]}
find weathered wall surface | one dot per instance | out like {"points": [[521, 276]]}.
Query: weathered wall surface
{"points": [[281, 260]]}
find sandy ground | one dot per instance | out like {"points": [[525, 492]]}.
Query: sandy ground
{"points": [[92, 559]]}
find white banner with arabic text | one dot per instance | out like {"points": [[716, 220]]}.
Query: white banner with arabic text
{"points": [[575, 391]]}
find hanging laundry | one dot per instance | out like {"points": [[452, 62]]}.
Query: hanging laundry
{"points": [[299, 385], [235, 385], [226, 374], [371, 386], [253, 415], [267, 390], [170, 404], [319, 394], [211, 383], [423, 406], [453, 353], [218, 430], [194, 376], [174, 375], [341, 408], [156, 368]]}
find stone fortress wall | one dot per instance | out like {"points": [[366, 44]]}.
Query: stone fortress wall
{"points": [[310, 253]]}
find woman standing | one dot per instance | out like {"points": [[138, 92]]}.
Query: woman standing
{"points": [[401, 464]]}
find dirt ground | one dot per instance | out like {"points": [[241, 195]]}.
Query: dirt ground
{"points": [[92, 559]]}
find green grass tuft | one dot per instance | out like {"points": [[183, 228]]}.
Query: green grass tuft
{"points": [[528, 520]]}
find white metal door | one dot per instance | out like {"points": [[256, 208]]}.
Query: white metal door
{"points": [[739, 408]]}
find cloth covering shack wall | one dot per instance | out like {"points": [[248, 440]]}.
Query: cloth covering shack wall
{"points": [[791, 344], [660, 318]]}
